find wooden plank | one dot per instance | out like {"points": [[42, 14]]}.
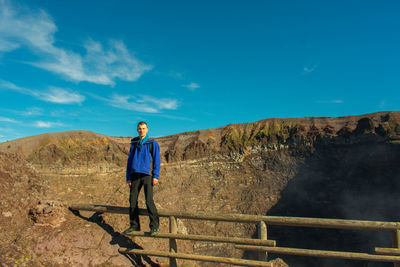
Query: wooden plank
{"points": [[293, 221], [196, 257], [269, 220], [396, 243], [387, 251], [262, 234], [322, 253], [173, 248], [223, 239]]}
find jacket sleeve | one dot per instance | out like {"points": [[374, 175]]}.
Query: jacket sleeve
{"points": [[156, 160], [129, 164]]}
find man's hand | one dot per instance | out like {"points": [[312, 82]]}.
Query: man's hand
{"points": [[128, 184], [155, 181]]}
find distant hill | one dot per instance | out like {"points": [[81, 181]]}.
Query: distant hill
{"points": [[233, 137]]}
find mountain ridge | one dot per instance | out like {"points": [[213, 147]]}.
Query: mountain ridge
{"points": [[236, 136]]}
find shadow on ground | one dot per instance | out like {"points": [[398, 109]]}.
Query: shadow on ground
{"points": [[118, 239]]}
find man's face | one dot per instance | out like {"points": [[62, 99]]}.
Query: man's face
{"points": [[142, 130]]}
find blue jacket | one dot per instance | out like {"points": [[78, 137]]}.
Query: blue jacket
{"points": [[140, 158]]}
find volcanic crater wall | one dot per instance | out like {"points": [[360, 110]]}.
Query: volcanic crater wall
{"points": [[344, 167], [312, 167]]}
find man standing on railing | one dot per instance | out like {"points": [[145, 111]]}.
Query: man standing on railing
{"points": [[143, 169]]}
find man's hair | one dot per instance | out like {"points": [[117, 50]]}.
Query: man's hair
{"points": [[141, 123]]}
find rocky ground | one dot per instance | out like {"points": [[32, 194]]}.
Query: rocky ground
{"points": [[294, 167]]}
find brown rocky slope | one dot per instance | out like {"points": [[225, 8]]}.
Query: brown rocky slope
{"points": [[316, 167]]}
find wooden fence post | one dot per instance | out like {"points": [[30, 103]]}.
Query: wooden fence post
{"points": [[396, 244], [262, 234], [173, 229]]}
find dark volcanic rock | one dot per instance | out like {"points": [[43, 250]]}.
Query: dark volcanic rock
{"points": [[359, 182]]}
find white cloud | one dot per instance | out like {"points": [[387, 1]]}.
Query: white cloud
{"points": [[128, 103], [308, 69], [47, 124], [176, 117], [34, 111], [53, 95], [6, 130], [9, 85], [6, 46], [63, 113], [175, 74], [36, 30], [124, 102], [19, 25], [334, 101], [61, 96], [162, 103], [142, 103], [4, 119], [192, 86]]}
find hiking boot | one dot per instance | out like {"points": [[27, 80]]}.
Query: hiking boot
{"points": [[130, 230], [154, 231]]}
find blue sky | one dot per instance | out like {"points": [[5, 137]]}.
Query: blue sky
{"points": [[181, 66]]}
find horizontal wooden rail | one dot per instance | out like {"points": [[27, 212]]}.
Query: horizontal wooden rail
{"points": [[381, 254], [196, 257], [322, 253], [388, 251], [269, 220], [236, 240]]}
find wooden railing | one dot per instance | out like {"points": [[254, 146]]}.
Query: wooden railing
{"points": [[262, 244]]}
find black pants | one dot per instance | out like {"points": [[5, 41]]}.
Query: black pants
{"points": [[138, 181]]}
